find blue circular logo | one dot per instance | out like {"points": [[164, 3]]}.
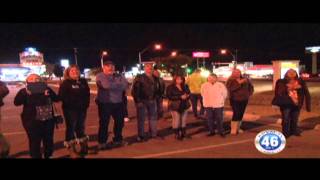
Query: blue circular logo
{"points": [[270, 142]]}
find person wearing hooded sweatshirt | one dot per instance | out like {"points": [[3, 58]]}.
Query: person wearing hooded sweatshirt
{"points": [[75, 95]]}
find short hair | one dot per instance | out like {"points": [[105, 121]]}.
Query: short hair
{"points": [[66, 74]]}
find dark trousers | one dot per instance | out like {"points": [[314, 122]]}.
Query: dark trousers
{"points": [[159, 107], [215, 119], [125, 106], [238, 108], [194, 102], [105, 112], [290, 117], [151, 108], [41, 132], [75, 123]]}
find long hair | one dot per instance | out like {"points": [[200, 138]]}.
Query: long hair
{"points": [[66, 74], [287, 77], [182, 78]]}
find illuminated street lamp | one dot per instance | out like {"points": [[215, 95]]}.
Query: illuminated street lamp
{"points": [[174, 53], [156, 47], [104, 53], [234, 56]]}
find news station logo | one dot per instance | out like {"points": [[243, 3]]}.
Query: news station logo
{"points": [[270, 142]]}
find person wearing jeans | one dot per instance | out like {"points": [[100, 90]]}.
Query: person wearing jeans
{"points": [[178, 95], [144, 92], [214, 94], [290, 94], [110, 103]]}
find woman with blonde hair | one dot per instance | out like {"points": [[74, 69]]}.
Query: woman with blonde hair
{"points": [[75, 96], [37, 115], [240, 89]]}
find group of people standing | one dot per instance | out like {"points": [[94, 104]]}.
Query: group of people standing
{"points": [[148, 91]]}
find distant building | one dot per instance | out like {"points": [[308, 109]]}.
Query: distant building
{"points": [[31, 61]]}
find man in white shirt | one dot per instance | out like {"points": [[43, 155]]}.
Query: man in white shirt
{"points": [[214, 94]]}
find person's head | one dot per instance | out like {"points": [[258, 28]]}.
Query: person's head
{"points": [[108, 67], [72, 72], [179, 80], [236, 73], [291, 74], [148, 68], [197, 71], [32, 78], [212, 78], [156, 73]]}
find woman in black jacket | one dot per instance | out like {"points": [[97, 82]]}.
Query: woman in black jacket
{"points": [[75, 96], [178, 95], [290, 94], [37, 115]]}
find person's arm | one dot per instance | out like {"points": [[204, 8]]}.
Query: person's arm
{"points": [[135, 91], [203, 90], [62, 93], [224, 91], [280, 89], [87, 92], [53, 96], [233, 85], [171, 95], [307, 96], [4, 91], [20, 98]]}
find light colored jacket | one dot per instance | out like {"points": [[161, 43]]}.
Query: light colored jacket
{"points": [[214, 95], [194, 81]]}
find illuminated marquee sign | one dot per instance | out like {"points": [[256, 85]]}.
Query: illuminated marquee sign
{"points": [[201, 54], [31, 57]]}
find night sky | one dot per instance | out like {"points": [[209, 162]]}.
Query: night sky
{"points": [[259, 43]]}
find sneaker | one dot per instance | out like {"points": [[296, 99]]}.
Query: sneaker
{"points": [[126, 119]]}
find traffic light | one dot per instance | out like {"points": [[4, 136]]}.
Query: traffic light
{"points": [[189, 70]]}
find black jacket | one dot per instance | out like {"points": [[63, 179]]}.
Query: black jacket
{"points": [[174, 95], [74, 94], [144, 88], [29, 102], [303, 93], [4, 91]]}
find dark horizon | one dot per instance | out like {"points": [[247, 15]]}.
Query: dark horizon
{"points": [[257, 42]]}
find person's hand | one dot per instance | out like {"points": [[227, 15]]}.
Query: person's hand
{"points": [[28, 92], [185, 96], [46, 93]]}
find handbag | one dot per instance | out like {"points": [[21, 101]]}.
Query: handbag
{"points": [[281, 101]]}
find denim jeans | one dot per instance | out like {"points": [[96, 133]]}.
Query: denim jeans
{"points": [[179, 119], [159, 107], [75, 123], [151, 108], [290, 117], [194, 102], [106, 110], [215, 119]]}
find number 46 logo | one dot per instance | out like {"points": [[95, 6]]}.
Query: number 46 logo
{"points": [[270, 142]]}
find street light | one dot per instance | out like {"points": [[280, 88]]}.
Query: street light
{"points": [[104, 53], [156, 47], [234, 56], [174, 53]]}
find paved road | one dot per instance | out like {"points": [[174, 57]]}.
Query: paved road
{"points": [[200, 146]]}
